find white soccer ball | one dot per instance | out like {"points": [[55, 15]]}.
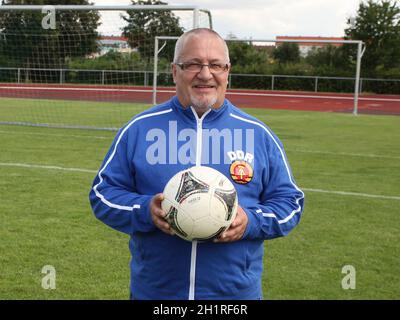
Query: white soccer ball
{"points": [[200, 203]]}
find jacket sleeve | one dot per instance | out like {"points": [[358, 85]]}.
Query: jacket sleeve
{"points": [[113, 196], [281, 202]]}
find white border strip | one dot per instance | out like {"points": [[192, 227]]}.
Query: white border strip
{"points": [[98, 194]]}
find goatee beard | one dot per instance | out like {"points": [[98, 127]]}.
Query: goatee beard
{"points": [[203, 105]]}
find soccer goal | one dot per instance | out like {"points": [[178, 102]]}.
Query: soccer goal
{"points": [[83, 66], [326, 72]]}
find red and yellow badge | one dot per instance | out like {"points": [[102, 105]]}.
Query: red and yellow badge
{"points": [[241, 172]]}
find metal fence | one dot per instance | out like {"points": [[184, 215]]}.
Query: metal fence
{"points": [[145, 78]]}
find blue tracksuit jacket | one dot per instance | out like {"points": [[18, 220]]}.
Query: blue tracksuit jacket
{"points": [[165, 139]]}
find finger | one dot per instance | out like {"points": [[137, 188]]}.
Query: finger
{"points": [[228, 235], [228, 238], [222, 237], [160, 213], [232, 234], [234, 224], [163, 225], [159, 197], [167, 229], [237, 221]]}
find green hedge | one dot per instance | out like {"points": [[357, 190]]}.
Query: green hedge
{"points": [[250, 76]]}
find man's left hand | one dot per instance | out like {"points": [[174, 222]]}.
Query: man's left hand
{"points": [[236, 229]]}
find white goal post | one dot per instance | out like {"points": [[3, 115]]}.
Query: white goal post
{"points": [[360, 51]]}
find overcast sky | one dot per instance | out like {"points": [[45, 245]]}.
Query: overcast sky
{"points": [[266, 19]]}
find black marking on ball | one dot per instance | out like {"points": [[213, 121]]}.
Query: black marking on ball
{"points": [[189, 185], [228, 200]]}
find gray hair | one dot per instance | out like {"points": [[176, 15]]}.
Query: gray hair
{"points": [[182, 39]]}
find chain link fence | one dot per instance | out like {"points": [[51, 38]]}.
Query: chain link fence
{"points": [[236, 81]]}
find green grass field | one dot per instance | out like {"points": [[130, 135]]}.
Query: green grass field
{"points": [[45, 216]]}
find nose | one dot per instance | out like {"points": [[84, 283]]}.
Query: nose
{"points": [[205, 73]]}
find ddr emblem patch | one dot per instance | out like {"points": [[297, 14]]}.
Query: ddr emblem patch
{"points": [[241, 172]]}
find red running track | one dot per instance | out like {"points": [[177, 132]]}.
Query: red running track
{"points": [[306, 101]]}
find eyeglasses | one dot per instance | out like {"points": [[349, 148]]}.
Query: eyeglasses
{"points": [[214, 68]]}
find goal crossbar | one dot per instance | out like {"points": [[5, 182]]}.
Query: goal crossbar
{"points": [[99, 7], [196, 9]]}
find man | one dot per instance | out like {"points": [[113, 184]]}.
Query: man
{"points": [[196, 127]]}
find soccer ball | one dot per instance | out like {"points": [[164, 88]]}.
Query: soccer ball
{"points": [[200, 203]]}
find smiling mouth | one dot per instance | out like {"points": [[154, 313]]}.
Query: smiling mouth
{"points": [[203, 87]]}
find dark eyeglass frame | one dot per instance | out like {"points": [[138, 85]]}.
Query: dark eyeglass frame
{"points": [[195, 67]]}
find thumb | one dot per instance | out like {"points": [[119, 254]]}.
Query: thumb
{"points": [[159, 197]]}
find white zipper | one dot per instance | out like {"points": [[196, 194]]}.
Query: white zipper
{"points": [[193, 270], [199, 145], [199, 140]]}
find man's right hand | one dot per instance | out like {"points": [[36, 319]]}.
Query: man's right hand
{"points": [[158, 214]]}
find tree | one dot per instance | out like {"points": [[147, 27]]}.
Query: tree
{"points": [[27, 44], [329, 60], [244, 55], [378, 25], [144, 26], [287, 52]]}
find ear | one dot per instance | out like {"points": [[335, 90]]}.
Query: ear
{"points": [[229, 71], [174, 71]]}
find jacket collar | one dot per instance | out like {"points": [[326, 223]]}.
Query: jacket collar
{"points": [[188, 114]]}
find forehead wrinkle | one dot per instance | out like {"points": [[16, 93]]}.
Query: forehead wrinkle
{"points": [[204, 54], [182, 42]]}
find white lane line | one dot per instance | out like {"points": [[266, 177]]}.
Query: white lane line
{"points": [[56, 135], [366, 155], [308, 96], [37, 166], [356, 194], [343, 193], [84, 89]]}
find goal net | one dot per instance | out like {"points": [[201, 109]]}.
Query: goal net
{"points": [[83, 66], [281, 72]]}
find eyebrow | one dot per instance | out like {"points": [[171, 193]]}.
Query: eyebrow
{"points": [[196, 60]]}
